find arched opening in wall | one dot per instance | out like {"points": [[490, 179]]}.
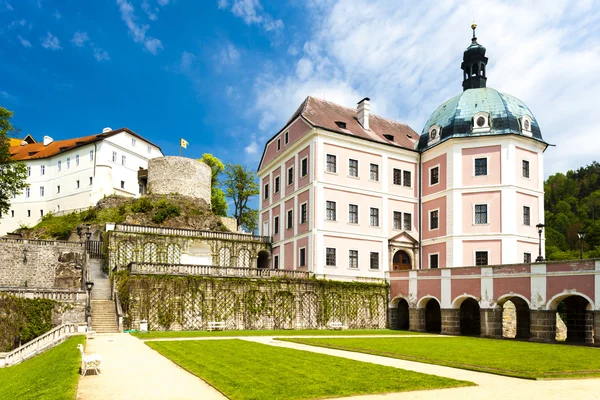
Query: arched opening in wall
{"points": [[402, 315], [515, 319], [401, 261], [224, 257], [263, 259], [199, 253], [244, 258], [470, 319], [572, 311], [433, 317]]}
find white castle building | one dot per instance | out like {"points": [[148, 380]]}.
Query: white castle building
{"points": [[346, 193], [73, 174]]}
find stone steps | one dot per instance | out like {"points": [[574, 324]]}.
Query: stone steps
{"points": [[104, 317]]}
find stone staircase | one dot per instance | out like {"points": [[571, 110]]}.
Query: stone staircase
{"points": [[104, 316]]}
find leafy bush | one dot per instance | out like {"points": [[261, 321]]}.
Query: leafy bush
{"points": [[164, 210], [142, 205], [22, 320]]}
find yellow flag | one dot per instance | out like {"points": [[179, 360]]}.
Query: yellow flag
{"points": [[183, 143]]}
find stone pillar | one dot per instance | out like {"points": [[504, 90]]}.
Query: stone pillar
{"points": [[450, 321], [589, 327], [596, 328], [543, 326], [416, 319], [392, 317], [491, 322]]}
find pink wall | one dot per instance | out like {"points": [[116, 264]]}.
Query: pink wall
{"points": [[289, 205], [431, 249], [266, 218], [533, 181], [461, 286], [493, 166], [289, 189], [297, 129], [494, 212], [429, 287], [527, 247], [288, 256], [427, 165], [533, 203], [402, 190], [267, 201], [306, 180], [493, 247], [403, 207], [364, 247], [399, 288], [439, 203], [343, 199], [503, 286], [299, 244], [276, 252], [275, 174], [303, 198]]}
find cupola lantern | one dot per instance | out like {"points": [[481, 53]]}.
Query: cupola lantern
{"points": [[474, 64]]}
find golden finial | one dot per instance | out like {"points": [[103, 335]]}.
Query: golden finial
{"points": [[474, 26]]}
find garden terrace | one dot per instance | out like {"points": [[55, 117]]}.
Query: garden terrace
{"points": [[213, 270], [62, 295]]}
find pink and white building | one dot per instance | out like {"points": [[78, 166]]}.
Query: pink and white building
{"points": [[346, 193]]}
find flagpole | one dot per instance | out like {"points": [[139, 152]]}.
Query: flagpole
{"points": [[180, 148]]}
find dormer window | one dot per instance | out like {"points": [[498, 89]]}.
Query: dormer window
{"points": [[435, 132], [389, 137], [481, 122], [526, 125], [340, 124]]}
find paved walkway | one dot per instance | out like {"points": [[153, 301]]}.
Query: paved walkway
{"points": [[132, 370]]}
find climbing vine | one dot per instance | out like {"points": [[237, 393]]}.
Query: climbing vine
{"points": [[170, 302], [22, 320]]}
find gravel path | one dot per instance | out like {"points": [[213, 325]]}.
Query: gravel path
{"points": [[132, 370]]}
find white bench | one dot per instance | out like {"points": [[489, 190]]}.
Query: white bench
{"points": [[336, 325], [216, 325], [89, 361]]}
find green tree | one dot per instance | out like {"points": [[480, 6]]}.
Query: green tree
{"points": [[13, 175], [240, 186], [217, 196]]}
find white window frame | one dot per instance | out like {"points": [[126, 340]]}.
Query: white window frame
{"points": [[286, 136], [77, 160], [528, 169], [287, 176], [327, 164], [279, 143], [335, 261], [378, 261], [357, 169], [357, 215], [378, 217], [429, 259], [300, 258], [59, 165], [276, 261], [133, 141], [276, 225], [530, 257], [357, 260], [114, 156], [301, 161], [276, 187], [475, 251], [305, 205], [42, 191], [334, 211], [394, 220], [393, 176], [68, 162], [266, 191], [92, 155], [439, 175], [28, 170], [523, 214], [439, 216], [42, 170], [404, 171], [411, 221], [524, 131], [437, 137], [487, 216], [27, 192], [487, 166], [123, 159], [378, 172], [289, 219], [486, 126]]}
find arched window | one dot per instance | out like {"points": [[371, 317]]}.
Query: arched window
{"points": [[150, 253], [173, 254], [244, 258], [225, 257]]}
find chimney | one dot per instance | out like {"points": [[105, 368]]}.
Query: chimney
{"points": [[107, 129], [363, 112], [47, 140]]}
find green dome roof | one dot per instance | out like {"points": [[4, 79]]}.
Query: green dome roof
{"points": [[455, 116]]}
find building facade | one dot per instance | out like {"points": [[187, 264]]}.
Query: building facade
{"points": [[74, 174], [345, 193]]}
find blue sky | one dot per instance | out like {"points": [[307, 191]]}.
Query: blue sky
{"points": [[226, 74]]}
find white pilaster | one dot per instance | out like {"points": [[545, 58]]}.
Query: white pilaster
{"points": [[597, 285], [538, 287], [487, 287], [446, 289]]}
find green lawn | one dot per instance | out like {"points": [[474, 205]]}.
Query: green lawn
{"points": [[49, 376], [306, 332], [250, 371], [504, 357]]}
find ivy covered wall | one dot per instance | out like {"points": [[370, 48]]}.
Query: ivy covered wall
{"points": [[190, 302]]}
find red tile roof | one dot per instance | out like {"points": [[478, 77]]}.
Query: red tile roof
{"points": [[324, 114], [38, 150]]}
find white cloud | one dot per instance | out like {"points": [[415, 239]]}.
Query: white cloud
{"points": [[252, 148], [137, 31], [50, 42], [57, 14], [407, 57], [229, 55], [100, 54], [79, 39], [7, 6], [152, 13], [187, 62], [251, 11], [24, 42], [163, 3]]}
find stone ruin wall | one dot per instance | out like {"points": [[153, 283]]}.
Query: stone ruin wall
{"points": [[184, 176], [509, 323], [41, 264]]}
